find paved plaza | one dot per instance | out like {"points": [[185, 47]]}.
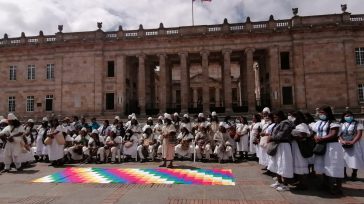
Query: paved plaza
{"points": [[251, 187]]}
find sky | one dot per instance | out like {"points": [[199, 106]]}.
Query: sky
{"points": [[31, 16]]}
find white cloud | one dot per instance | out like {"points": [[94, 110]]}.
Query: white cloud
{"points": [[31, 16]]}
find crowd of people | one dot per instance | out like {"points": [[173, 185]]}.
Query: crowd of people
{"points": [[289, 146]]}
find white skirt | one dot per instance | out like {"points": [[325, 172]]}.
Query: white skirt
{"points": [[354, 157], [332, 162], [282, 162], [252, 146], [263, 156], [55, 151], [243, 144], [300, 164]]}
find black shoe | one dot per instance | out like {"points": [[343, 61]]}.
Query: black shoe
{"points": [[5, 171], [20, 169], [163, 165], [170, 166], [354, 177]]}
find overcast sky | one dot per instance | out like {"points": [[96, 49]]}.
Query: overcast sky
{"points": [[31, 16]]}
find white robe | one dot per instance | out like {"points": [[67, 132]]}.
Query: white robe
{"points": [[55, 150], [13, 150], [354, 157], [243, 144]]}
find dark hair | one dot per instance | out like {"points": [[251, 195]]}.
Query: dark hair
{"points": [[214, 119], [16, 123], [328, 111], [54, 123], [185, 120], [280, 114], [244, 120], [309, 118], [257, 117], [343, 115], [75, 117], [270, 116], [300, 118]]}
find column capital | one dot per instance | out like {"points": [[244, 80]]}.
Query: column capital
{"points": [[205, 53], [249, 50], [164, 55], [226, 51], [141, 55], [183, 54]]}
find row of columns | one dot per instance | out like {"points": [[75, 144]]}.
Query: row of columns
{"points": [[185, 82]]}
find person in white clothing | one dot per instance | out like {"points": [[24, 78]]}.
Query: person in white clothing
{"points": [[3, 124], [130, 144], [80, 142], [147, 145], [353, 145], [223, 148], [267, 130], [329, 158], [255, 129], [41, 150], [203, 146], [55, 144], [13, 134], [184, 149], [93, 149], [113, 145], [242, 131]]}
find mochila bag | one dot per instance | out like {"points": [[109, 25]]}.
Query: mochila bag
{"points": [[272, 148], [48, 141], [319, 149], [306, 147]]}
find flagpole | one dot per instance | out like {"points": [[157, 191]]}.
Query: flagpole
{"points": [[193, 18]]}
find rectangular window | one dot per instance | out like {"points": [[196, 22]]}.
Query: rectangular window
{"points": [[212, 94], [110, 69], [287, 95], [49, 103], [110, 101], [359, 56], [30, 103], [285, 60], [31, 72], [12, 72], [50, 71], [178, 96], [11, 103]]}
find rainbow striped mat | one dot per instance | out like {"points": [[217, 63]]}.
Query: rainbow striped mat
{"points": [[141, 176]]}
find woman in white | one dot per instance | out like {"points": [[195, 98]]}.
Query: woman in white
{"points": [[267, 129], [130, 144], [185, 122], [147, 144], [310, 121], [55, 143], [242, 130], [13, 134], [203, 146], [41, 150], [184, 149], [113, 144], [300, 134], [3, 124], [281, 162], [29, 137], [223, 149], [353, 145], [255, 129], [94, 147], [169, 141], [331, 163]]}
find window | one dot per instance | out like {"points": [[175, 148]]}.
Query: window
{"points": [[12, 72], [31, 72], [359, 55], [110, 69], [50, 71], [11, 103], [178, 96], [49, 103], [110, 101], [287, 95], [285, 60], [30, 103]]}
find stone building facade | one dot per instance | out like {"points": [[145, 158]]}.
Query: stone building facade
{"points": [[302, 63]]}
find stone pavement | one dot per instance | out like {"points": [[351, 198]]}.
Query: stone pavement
{"points": [[251, 187]]}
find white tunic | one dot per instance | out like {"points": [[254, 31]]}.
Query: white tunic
{"points": [[354, 156], [41, 149], [13, 149], [243, 131], [332, 162], [262, 148], [300, 164], [253, 134], [55, 150]]}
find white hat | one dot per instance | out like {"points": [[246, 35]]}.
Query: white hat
{"points": [[146, 127], [113, 130], [30, 121], [225, 125], [94, 131], [266, 110], [84, 129], [11, 116], [150, 118], [201, 115], [186, 115], [160, 117], [213, 113], [167, 116], [45, 119], [184, 125], [117, 117], [133, 117], [175, 114], [129, 117], [4, 121]]}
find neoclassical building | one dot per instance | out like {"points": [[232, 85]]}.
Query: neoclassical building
{"points": [[302, 63]]}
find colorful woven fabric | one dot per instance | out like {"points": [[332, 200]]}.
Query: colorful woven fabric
{"points": [[142, 176]]}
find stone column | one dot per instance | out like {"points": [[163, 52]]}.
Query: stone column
{"points": [[121, 82], [250, 79], [205, 82], [162, 83], [227, 81], [141, 84], [274, 77], [195, 96], [99, 83], [217, 96], [299, 74], [185, 82], [350, 66]]}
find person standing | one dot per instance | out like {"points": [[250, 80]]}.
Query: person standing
{"points": [[55, 143], [41, 152], [169, 141], [353, 145]]}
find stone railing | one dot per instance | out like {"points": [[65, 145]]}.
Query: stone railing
{"points": [[248, 26]]}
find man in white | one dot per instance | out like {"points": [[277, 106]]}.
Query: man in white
{"points": [[13, 134], [184, 149], [112, 145], [223, 148]]}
